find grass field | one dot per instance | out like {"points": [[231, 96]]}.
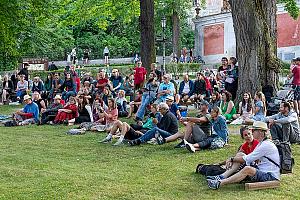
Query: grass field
{"points": [[42, 162]]}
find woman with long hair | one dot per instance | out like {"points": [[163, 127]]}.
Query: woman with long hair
{"points": [[245, 109], [259, 110], [84, 115], [214, 101], [227, 105]]}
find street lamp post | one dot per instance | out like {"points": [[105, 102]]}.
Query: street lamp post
{"points": [[163, 25]]}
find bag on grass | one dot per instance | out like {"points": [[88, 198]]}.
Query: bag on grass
{"points": [[210, 170]]}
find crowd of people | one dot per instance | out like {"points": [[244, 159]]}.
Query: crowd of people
{"points": [[158, 105]]}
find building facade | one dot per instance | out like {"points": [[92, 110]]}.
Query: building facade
{"points": [[215, 37]]}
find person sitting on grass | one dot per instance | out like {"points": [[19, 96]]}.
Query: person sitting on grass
{"points": [[68, 87], [7, 89], [36, 97], [29, 114], [148, 123], [245, 109], [173, 106], [83, 110], [22, 87], [110, 114], [284, 125], [197, 128], [219, 136], [134, 105], [246, 148], [260, 109], [186, 88], [265, 156], [227, 105], [199, 89], [98, 117], [214, 101], [166, 89], [121, 102], [49, 113], [56, 85], [167, 126], [134, 131], [68, 112]]}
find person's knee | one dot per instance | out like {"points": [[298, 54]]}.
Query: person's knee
{"points": [[248, 170]]}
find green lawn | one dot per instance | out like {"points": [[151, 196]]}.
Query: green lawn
{"points": [[42, 162]]}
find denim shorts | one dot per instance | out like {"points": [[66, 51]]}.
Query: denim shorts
{"points": [[262, 176]]}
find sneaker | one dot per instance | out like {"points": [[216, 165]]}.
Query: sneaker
{"points": [[213, 184], [160, 140], [119, 142], [134, 142], [217, 178], [180, 145], [190, 147], [105, 140]]}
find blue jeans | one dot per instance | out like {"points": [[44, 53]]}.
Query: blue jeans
{"points": [[146, 100], [65, 95], [151, 134]]}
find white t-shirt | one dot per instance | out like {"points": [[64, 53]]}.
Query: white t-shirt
{"points": [[186, 88], [268, 149]]}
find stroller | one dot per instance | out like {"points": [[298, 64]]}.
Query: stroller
{"points": [[285, 94]]}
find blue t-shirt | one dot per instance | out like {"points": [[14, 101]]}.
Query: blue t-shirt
{"points": [[174, 108], [116, 80], [260, 115], [34, 109], [164, 86]]}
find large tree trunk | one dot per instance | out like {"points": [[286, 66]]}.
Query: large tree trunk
{"points": [[176, 33], [256, 42], [147, 33]]}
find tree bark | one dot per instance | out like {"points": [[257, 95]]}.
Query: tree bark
{"points": [[256, 42], [176, 33], [147, 33]]}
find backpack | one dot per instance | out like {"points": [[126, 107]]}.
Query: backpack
{"points": [[210, 170], [285, 155]]}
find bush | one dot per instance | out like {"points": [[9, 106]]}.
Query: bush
{"points": [[182, 68]]}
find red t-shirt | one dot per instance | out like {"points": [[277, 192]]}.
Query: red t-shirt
{"points": [[246, 149], [139, 75], [296, 75], [102, 81]]}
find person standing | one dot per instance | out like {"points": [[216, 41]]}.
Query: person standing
{"points": [[296, 83], [106, 55], [139, 76]]}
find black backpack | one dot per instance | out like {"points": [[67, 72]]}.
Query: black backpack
{"points": [[286, 160], [210, 170]]}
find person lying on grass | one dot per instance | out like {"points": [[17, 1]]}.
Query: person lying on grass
{"points": [[261, 165]]}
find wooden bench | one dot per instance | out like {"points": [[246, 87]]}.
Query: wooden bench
{"points": [[262, 185]]}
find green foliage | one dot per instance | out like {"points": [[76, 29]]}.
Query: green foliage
{"points": [[183, 68], [291, 7]]}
